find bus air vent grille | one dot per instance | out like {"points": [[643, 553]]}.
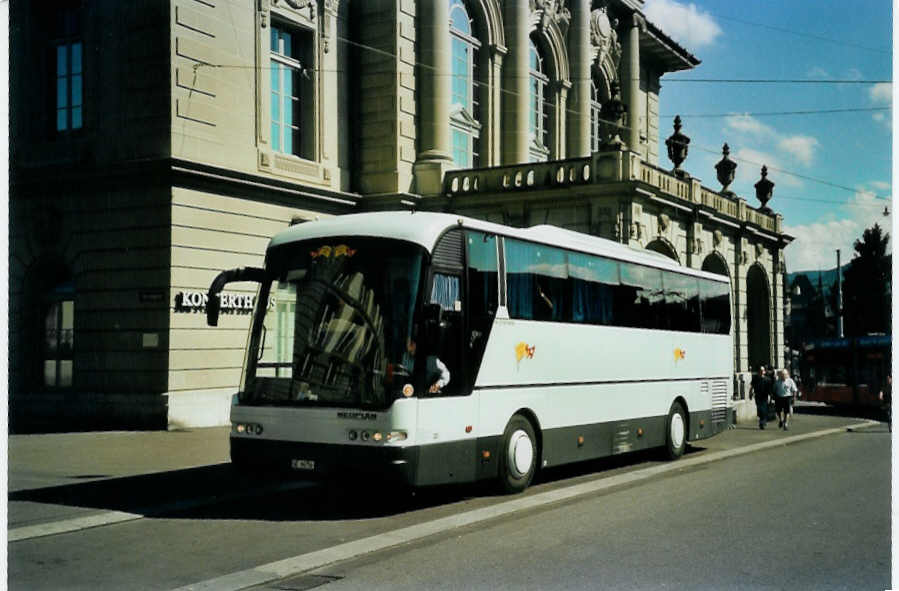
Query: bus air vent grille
{"points": [[448, 252], [719, 401]]}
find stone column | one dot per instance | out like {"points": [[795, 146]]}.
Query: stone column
{"points": [[434, 96], [631, 83], [515, 84], [492, 135], [579, 53], [560, 104]]}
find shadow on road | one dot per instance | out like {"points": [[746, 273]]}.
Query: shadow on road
{"points": [[222, 492]]}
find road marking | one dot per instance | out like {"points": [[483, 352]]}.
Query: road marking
{"points": [[273, 571], [111, 517]]}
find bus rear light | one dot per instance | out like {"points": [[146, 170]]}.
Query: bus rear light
{"points": [[353, 435], [580, 440], [639, 431], [485, 454], [376, 436], [396, 436], [365, 436], [240, 428]]}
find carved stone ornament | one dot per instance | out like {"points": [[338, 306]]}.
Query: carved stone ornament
{"points": [[664, 222], [678, 146], [300, 5], [764, 190], [552, 11], [604, 37], [726, 169], [759, 249], [717, 238]]}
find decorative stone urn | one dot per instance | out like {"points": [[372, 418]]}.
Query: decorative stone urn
{"points": [[727, 170], [678, 145], [764, 190]]}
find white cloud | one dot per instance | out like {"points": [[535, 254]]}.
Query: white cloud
{"points": [[684, 22], [749, 169], [792, 149], [818, 72], [815, 244], [749, 125], [801, 147], [881, 94]]}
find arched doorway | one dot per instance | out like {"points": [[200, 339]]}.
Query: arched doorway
{"points": [[758, 316], [715, 263], [663, 247]]}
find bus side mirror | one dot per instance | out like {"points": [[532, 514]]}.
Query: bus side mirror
{"points": [[213, 304], [432, 314]]}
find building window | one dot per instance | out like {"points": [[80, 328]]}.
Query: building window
{"points": [[539, 108], [595, 117], [464, 101], [292, 102], [67, 49], [59, 336]]}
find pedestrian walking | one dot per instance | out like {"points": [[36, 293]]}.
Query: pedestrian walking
{"points": [[784, 390], [760, 388], [886, 396]]}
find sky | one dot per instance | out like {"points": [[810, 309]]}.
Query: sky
{"points": [[832, 171]]}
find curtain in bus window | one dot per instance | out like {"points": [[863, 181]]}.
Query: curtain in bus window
{"points": [[537, 278], [681, 301], [715, 305], [641, 294], [593, 283], [445, 291]]}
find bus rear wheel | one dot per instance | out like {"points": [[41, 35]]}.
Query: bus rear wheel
{"points": [[676, 432], [518, 455]]}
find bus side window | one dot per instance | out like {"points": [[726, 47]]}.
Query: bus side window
{"points": [[483, 299]]}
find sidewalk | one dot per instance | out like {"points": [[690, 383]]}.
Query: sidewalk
{"points": [[83, 476]]}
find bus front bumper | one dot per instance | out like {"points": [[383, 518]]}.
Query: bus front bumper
{"points": [[328, 461]]}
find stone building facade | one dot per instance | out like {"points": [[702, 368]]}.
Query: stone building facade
{"points": [[157, 142]]}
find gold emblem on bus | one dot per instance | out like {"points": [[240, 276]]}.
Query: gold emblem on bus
{"points": [[523, 350]]}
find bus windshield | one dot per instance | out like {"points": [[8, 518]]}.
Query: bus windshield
{"points": [[338, 325]]}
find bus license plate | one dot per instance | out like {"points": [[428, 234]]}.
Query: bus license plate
{"points": [[302, 464]]}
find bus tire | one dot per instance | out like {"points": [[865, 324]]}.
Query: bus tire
{"points": [[676, 432], [518, 455]]}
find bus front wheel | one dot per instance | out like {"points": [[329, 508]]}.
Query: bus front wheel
{"points": [[676, 432], [518, 458]]}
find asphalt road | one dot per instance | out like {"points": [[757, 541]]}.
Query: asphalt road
{"points": [[809, 515], [814, 515]]}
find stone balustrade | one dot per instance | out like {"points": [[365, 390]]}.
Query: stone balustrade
{"points": [[603, 167]]}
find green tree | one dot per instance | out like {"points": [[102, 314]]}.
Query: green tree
{"points": [[866, 306]]}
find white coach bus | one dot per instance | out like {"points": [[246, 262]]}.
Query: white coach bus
{"points": [[444, 349]]}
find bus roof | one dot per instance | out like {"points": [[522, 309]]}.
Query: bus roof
{"points": [[425, 228]]}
